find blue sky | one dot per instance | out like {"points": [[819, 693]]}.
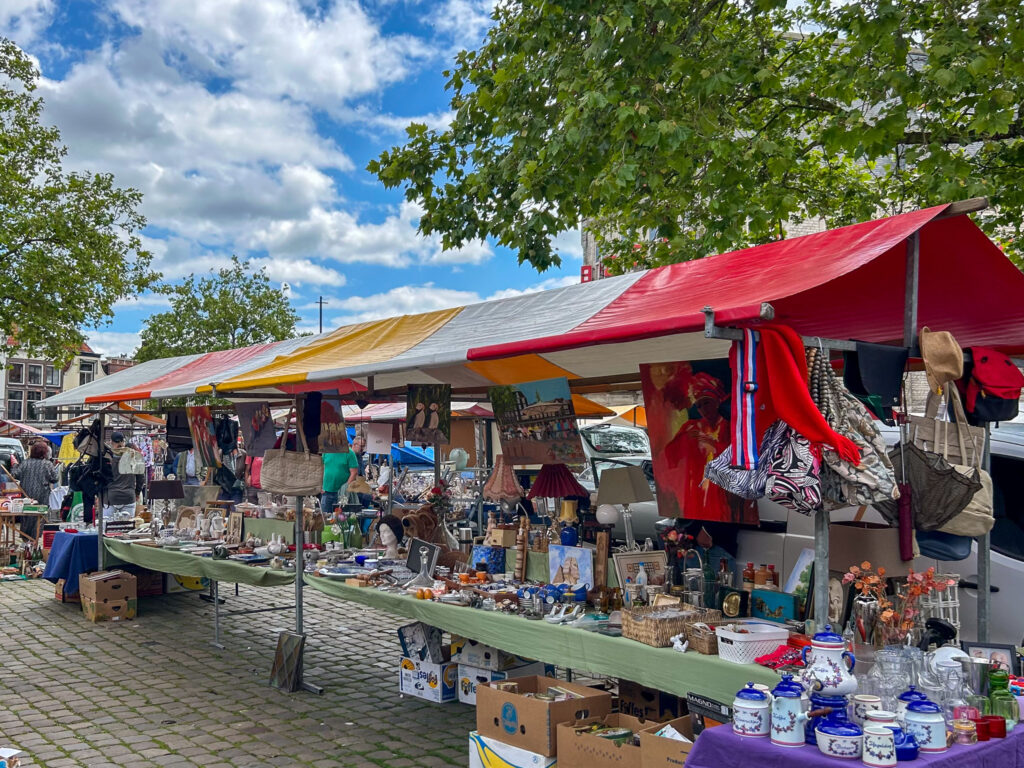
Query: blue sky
{"points": [[247, 124]]}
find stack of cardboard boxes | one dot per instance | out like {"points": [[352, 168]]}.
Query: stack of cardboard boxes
{"points": [[108, 596], [515, 730]]}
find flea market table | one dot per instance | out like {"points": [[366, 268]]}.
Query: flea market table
{"points": [[719, 747], [660, 668]]}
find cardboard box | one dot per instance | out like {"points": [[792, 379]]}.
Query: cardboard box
{"points": [[105, 586], [61, 595], [659, 752], [853, 543], [585, 750], [174, 584], [471, 677], [474, 654], [501, 537], [427, 680], [422, 641], [648, 703], [109, 610], [529, 723], [485, 752]]}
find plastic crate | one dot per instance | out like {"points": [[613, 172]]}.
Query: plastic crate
{"points": [[744, 647]]}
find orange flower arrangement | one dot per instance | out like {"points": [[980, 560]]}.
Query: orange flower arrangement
{"points": [[898, 615]]}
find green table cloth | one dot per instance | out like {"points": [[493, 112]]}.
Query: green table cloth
{"points": [[181, 564], [659, 668]]}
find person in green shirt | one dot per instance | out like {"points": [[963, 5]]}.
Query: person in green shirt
{"points": [[339, 470]]}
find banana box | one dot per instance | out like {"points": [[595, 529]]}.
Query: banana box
{"points": [[485, 752], [428, 680]]}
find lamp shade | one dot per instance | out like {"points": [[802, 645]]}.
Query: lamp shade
{"points": [[623, 485], [555, 481], [502, 484], [166, 490]]}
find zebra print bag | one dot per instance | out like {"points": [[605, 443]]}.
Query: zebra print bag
{"points": [[792, 472], [746, 483]]}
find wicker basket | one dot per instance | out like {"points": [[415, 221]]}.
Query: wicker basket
{"points": [[701, 635], [636, 624]]}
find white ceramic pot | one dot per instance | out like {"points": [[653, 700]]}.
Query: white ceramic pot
{"points": [[926, 723], [844, 747], [830, 664], [879, 747], [880, 717], [751, 715], [862, 704]]}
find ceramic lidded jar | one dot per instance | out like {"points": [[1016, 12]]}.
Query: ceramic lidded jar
{"points": [[838, 737], [927, 725], [751, 712], [905, 699], [788, 713], [830, 664]]}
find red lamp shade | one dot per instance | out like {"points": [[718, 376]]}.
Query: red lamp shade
{"points": [[502, 484], [555, 481]]}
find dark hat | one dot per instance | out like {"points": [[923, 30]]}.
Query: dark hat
{"points": [[117, 437]]}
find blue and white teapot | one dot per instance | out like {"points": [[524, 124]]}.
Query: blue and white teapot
{"points": [[830, 664]]}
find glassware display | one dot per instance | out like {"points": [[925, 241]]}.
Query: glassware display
{"points": [[890, 676], [1001, 702]]}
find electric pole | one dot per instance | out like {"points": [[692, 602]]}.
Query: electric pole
{"points": [[321, 302]]}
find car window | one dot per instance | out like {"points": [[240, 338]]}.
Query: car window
{"points": [[608, 439], [1008, 495], [646, 466]]}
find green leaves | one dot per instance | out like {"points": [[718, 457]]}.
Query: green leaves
{"points": [[69, 243], [234, 308], [700, 119]]}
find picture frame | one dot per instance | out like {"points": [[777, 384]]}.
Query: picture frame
{"points": [[413, 562], [571, 565], [1005, 655], [233, 534], [627, 564]]}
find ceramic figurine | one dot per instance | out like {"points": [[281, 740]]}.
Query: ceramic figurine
{"points": [[926, 723], [277, 545], [750, 712], [830, 664], [217, 527], [390, 542], [491, 524]]}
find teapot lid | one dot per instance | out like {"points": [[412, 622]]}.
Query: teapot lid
{"points": [[924, 707], [827, 636], [750, 693], [912, 695], [788, 688]]}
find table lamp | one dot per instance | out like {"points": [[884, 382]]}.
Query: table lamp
{"points": [[625, 486], [166, 491]]}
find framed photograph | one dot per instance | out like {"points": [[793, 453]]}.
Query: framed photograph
{"points": [[627, 565], [233, 535], [1003, 655], [570, 565], [414, 562]]}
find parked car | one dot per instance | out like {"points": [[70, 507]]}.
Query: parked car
{"points": [[9, 447]]}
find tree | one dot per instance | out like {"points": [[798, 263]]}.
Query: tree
{"points": [[682, 129], [233, 308], [69, 244]]}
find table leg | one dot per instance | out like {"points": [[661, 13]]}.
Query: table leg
{"points": [[216, 616]]}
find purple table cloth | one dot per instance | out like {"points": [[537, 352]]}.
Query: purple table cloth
{"points": [[719, 747]]}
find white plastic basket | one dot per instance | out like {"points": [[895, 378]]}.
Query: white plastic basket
{"points": [[744, 647], [945, 604]]}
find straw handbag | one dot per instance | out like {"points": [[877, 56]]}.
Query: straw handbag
{"points": [[293, 473]]}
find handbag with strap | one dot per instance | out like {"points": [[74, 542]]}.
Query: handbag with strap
{"points": [[842, 482], [293, 473], [746, 483], [956, 440], [792, 473]]}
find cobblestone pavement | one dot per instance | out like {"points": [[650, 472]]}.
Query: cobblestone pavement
{"points": [[154, 692]]}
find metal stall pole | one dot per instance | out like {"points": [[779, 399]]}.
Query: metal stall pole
{"points": [[821, 522], [299, 572], [215, 594], [97, 514], [985, 555]]}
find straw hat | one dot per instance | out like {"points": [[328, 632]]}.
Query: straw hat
{"points": [[942, 356]]}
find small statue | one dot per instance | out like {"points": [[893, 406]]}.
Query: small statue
{"points": [[391, 532]]}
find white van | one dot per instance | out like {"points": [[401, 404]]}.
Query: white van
{"points": [[11, 447]]}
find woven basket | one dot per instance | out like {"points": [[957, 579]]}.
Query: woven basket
{"points": [[659, 632], [702, 637]]}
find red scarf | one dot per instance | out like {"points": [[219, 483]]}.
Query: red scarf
{"points": [[783, 391]]}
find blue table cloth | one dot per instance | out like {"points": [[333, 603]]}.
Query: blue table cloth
{"points": [[72, 554]]}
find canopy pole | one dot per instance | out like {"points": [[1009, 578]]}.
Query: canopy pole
{"points": [[910, 295], [985, 555], [821, 523], [300, 569], [97, 513]]}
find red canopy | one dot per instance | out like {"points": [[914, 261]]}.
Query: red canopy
{"points": [[843, 283]]}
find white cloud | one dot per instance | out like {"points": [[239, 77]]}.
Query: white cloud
{"points": [[465, 22], [24, 20], [149, 300], [414, 299], [366, 119], [299, 272], [569, 243], [110, 343]]}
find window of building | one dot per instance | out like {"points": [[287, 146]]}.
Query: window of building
{"points": [[31, 398], [17, 374], [86, 373], [52, 376], [15, 410], [35, 374]]}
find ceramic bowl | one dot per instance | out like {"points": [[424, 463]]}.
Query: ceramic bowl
{"points": [[843, 747]]}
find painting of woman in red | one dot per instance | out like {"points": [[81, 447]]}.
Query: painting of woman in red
{"points": [[688, 427]]}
